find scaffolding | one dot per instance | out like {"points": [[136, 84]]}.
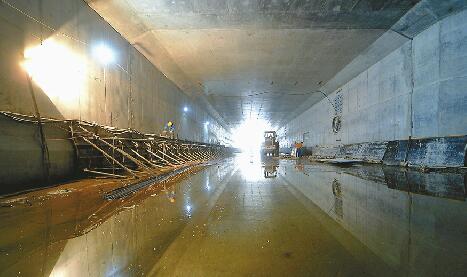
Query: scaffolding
{"points": [[122, 153]]}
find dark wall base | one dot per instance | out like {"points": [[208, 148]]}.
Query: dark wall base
{"points": [[22, 165], [427, 152]]}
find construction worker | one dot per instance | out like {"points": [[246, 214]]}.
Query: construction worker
{"points": [[169, 130], [298, 146], [171, 126]]}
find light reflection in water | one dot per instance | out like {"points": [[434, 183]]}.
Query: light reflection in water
{"points": [[170, 193], [188, 209], [208, 187], [366, 209], [250, 166], [270, 166], [58, 272]]}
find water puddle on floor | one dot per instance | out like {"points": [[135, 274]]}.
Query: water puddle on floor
{"points": [[245, 216]]}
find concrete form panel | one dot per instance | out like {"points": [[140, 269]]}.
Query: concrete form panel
{"points": [[425, 111], [426, 56], [402, 117], [453, 48], [453, 107]]}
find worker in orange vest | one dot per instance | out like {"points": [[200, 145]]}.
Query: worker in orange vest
{"points": [[298, 146]]}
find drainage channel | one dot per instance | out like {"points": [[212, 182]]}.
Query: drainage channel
{"points": [[130, 189]]}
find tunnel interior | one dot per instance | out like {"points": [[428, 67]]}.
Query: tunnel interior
{"points": [[233, 137]]}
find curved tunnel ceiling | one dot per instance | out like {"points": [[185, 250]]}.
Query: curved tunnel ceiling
{"points": [[251, 58]]}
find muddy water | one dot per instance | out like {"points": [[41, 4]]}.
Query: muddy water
{"points": [[245, 217]]}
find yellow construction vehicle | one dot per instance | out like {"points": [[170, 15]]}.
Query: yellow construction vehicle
{"points": [[270, 146]]}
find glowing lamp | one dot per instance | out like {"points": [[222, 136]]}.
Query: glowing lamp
{"points": [[104, 54], [57, 70]]}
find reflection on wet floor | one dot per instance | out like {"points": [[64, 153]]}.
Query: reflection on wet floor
{"points": [[246, 217]]}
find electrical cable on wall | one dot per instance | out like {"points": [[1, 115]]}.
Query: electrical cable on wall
{"points": [[44, 148]]}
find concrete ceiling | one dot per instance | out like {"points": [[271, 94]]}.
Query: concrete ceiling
{"points": [[251, 58]]}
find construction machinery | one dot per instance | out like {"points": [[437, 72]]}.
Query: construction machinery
{"points": [[270, 168], [270, 146]]}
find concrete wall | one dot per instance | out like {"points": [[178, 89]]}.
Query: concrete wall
{"points": [[424, 82], [70, 83], [130, 93], [22, 160]]}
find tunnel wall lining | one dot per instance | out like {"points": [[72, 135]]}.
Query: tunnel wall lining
{"points": [[417, 92], [22, 164], [130, 93]]}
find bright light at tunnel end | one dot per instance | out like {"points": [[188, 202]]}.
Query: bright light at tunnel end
{"points": [[250, 134]]}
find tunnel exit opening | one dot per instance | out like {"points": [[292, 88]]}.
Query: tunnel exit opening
{"points": [[249, 135]]}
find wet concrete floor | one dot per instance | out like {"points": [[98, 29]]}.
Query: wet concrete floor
{"points": [[244, 217]]}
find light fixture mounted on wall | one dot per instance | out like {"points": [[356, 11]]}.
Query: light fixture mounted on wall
{"points": [[103, 53], [60, 72]]}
